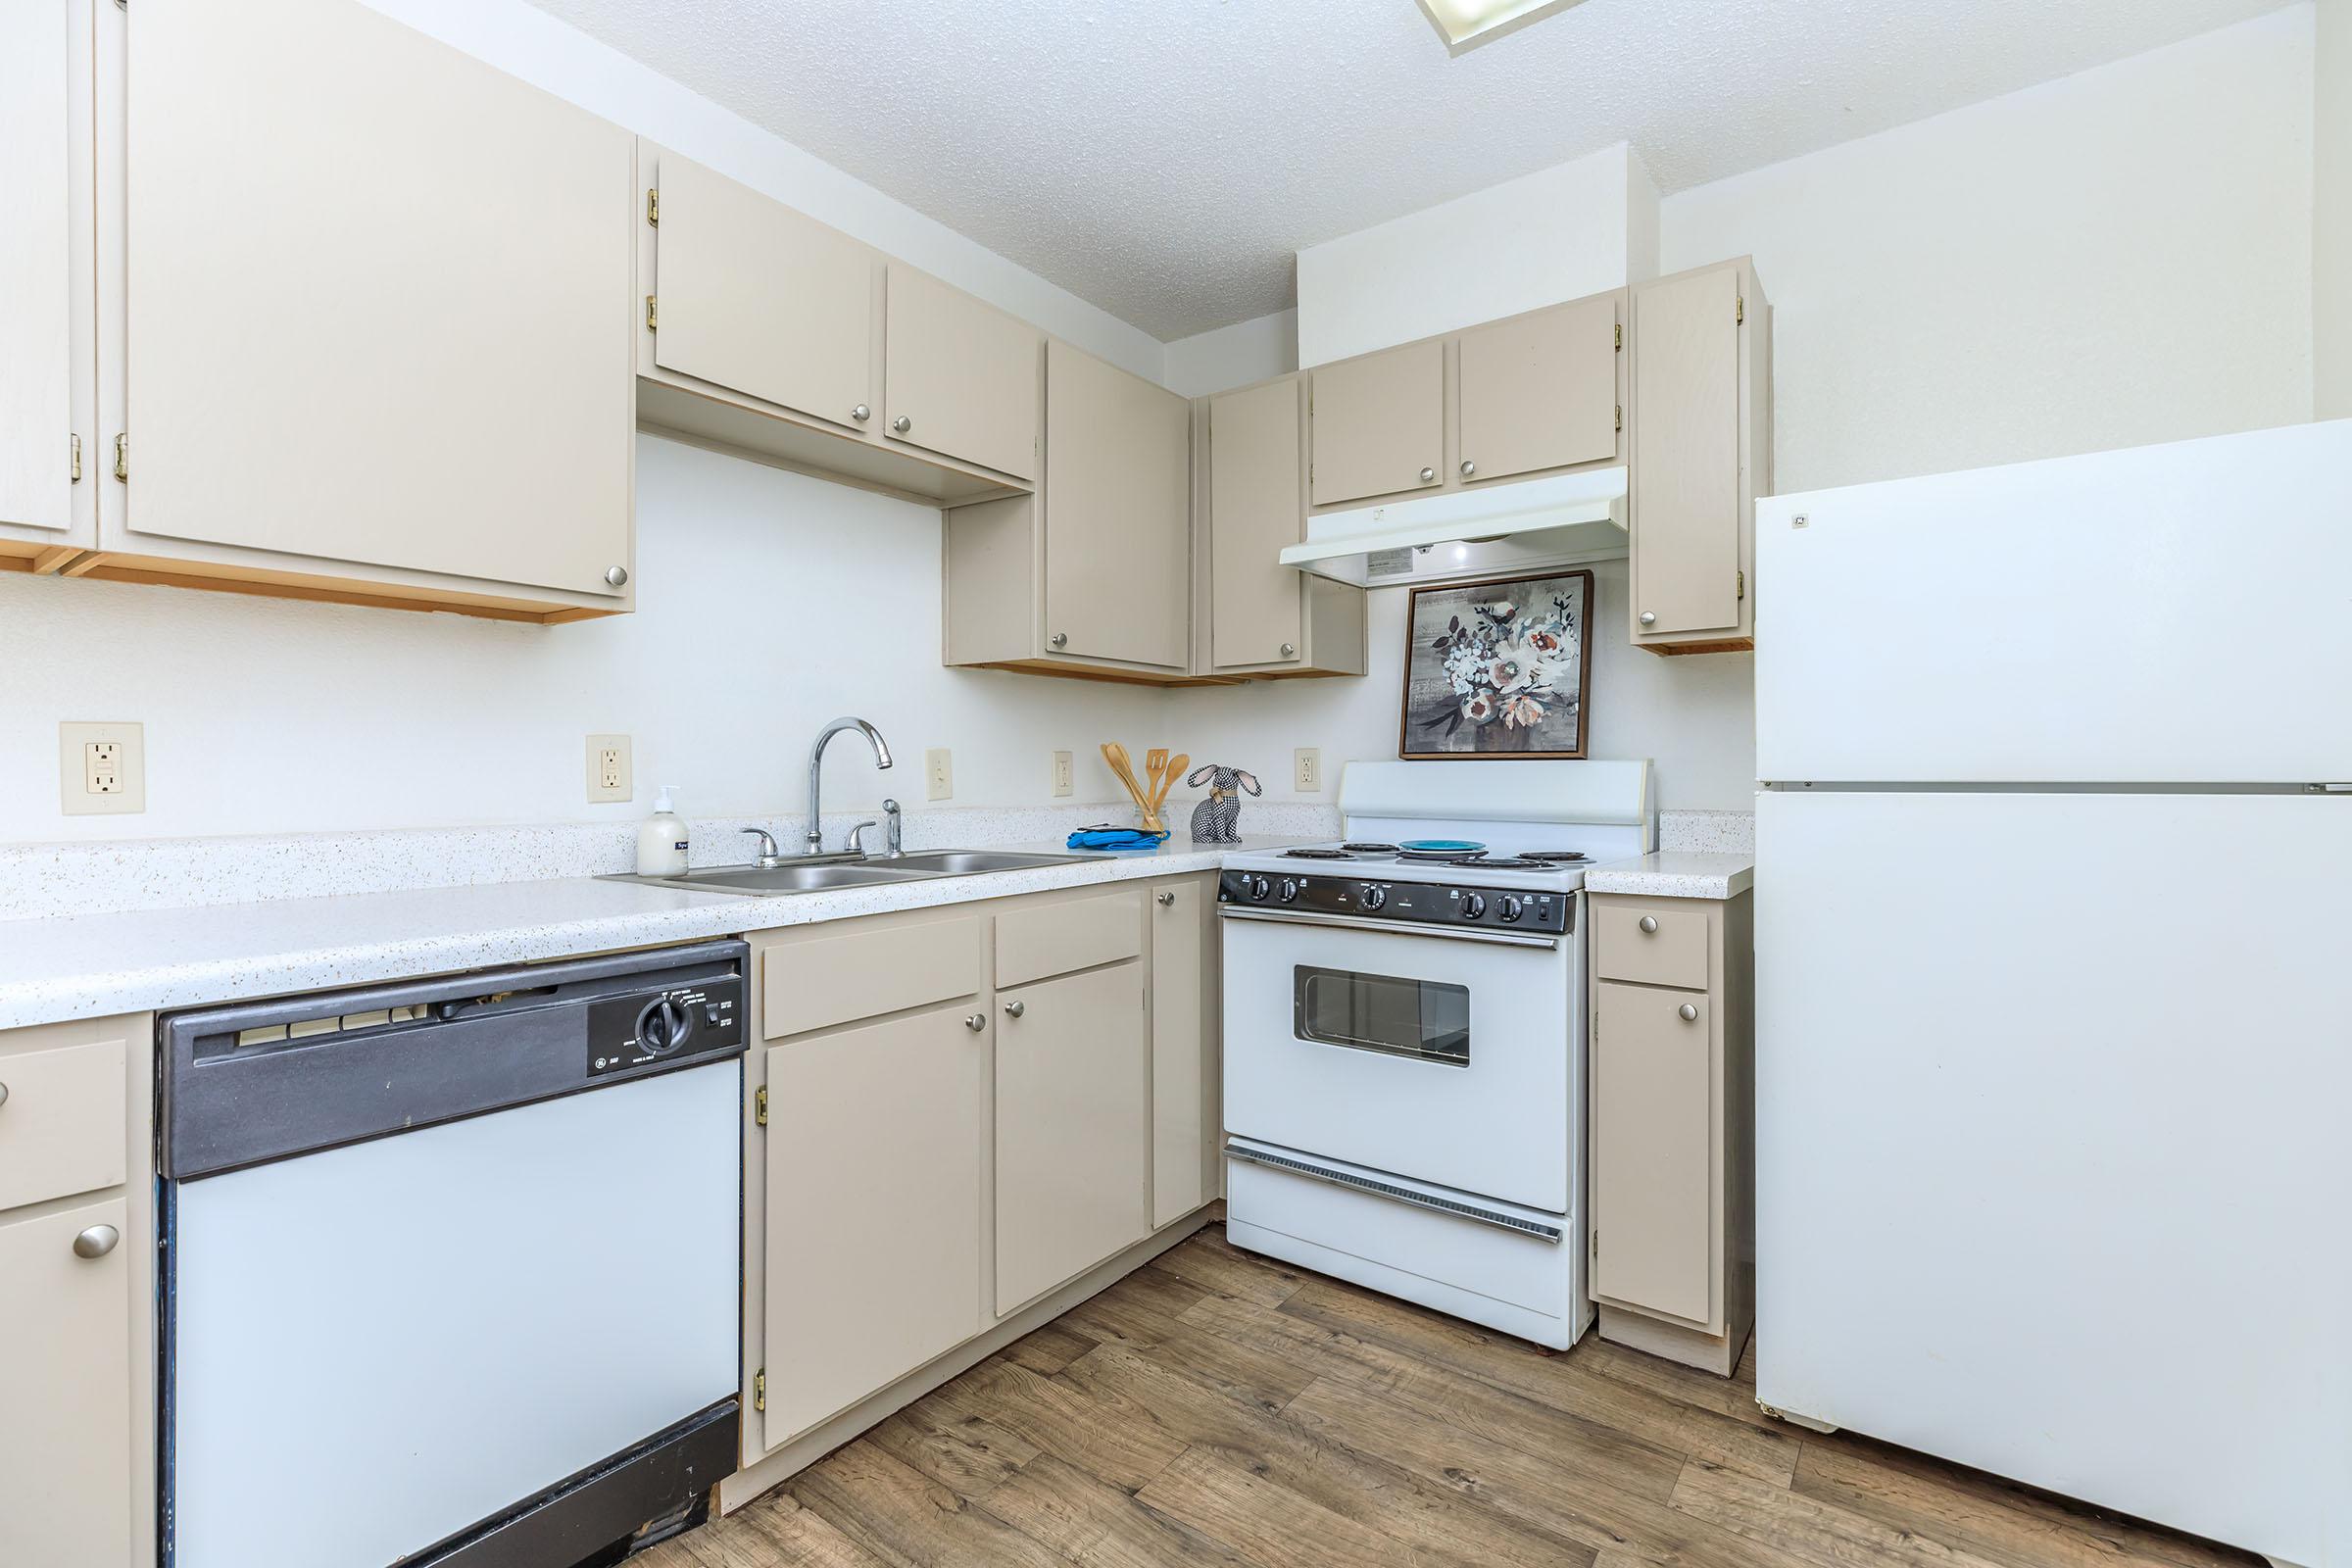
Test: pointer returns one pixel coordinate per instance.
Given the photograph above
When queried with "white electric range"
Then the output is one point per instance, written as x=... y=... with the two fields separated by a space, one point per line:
x=1404 y=1036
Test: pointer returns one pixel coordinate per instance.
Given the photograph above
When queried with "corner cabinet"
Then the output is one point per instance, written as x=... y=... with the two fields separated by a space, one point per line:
x=1701 y=454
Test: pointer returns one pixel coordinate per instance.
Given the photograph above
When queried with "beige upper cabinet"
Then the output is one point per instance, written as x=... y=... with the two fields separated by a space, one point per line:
x=1701 y=454
x=1118 y=515
x=1539 y=391
x=960 y=377
x=49 y=451
x=379 y=309
x=65 y=1442
x=755 y=297
x=1255 y=509
x=1380 y=423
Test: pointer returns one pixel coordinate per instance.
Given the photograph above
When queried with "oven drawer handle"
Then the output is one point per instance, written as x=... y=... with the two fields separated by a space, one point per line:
x=1402 y=928
x=1401 y=1195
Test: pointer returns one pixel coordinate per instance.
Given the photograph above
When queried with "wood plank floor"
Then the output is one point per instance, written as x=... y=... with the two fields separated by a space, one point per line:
x=1215 y=1408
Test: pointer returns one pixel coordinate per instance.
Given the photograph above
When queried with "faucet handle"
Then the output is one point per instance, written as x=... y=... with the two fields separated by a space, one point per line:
x=769 y=856
x=853 y=845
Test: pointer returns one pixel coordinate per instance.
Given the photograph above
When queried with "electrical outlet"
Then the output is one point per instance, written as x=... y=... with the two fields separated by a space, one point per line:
x=101 y=768
x=1063 y=783
x=939 y=773
x=609 y=769
x=1307 y=770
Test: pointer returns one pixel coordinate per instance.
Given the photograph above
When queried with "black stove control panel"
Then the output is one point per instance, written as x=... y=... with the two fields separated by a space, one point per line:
x=1372 y=898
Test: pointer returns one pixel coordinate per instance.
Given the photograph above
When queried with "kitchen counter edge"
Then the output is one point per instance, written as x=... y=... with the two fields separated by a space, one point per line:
x=1675 y=874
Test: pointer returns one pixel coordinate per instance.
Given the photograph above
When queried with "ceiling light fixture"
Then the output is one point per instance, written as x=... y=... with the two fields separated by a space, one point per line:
x=1464 y=25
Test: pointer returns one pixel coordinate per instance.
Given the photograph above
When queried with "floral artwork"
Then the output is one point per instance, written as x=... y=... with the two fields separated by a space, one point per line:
x=1498 y=668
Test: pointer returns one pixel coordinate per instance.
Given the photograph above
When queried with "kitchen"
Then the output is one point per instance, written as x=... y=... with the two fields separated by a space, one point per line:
x=2113 y=238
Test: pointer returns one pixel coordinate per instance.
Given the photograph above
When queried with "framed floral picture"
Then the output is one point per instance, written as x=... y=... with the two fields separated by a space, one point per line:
x=1498 y=668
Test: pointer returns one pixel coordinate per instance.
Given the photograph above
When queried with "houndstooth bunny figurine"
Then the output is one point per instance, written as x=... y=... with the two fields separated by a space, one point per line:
x=1219 y=820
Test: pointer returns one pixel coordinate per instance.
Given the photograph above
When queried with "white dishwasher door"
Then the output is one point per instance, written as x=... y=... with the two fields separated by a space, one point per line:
x=380 y=1345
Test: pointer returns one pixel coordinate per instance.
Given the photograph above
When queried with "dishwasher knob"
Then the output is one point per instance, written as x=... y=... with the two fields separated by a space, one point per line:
x=662 y=1027
x=1290 y=890
x=1260 y=887
x=1512 y=908
x=1375 y=895
x=1474 y=904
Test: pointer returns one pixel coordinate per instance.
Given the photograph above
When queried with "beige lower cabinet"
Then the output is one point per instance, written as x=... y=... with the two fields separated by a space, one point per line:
x=1672 y=1082
x=955 y=1115
x=77 y=1283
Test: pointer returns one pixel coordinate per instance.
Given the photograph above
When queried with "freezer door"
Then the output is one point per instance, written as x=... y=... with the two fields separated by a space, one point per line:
x=2167 y=615
x=2051 y=1153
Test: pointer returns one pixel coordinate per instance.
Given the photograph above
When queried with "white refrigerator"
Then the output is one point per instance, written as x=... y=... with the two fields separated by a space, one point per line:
x=2054 y=976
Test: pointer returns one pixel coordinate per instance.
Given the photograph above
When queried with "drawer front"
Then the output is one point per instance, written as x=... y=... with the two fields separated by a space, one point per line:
x=62 y=1126
x=856 y=973
x=1650 y=945
x=1059 y=938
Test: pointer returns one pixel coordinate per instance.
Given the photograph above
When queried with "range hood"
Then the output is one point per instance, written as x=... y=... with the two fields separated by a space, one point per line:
x=1460 y=534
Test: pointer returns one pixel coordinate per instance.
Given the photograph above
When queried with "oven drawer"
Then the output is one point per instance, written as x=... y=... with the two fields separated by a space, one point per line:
x=1650 y=942
x=62 y=1127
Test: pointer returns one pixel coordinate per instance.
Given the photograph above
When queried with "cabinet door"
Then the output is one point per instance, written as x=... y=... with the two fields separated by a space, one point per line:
x=379 y=300
x=1184 y=1050
x=960 y=377
x=1256 y=508
x=1540 y=391
x=45 y=274
x=758 y=298
x=1654 y=1138
x=1685 y=458
x=65 y=1483
x=1073 y=1128
x=1118 y=487
x=876 y=1143
x=1380 y=423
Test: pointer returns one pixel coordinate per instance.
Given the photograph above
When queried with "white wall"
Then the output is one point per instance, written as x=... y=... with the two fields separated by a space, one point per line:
x=1557 y=234
x=2115 y=258
x=789 y=601
x=1254 y=350
x=2332 y=216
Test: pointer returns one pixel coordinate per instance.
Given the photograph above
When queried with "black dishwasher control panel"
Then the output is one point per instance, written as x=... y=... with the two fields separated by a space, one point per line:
x=650 y=1028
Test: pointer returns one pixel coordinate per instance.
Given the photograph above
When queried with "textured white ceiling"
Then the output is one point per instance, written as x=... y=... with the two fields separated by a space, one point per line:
x=1164 y=157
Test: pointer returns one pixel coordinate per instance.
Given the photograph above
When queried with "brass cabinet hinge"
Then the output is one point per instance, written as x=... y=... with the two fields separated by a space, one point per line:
x=1740 y=316
x=1743 y=584
x=1596 y=1244
x=76 y=466
x=1621 y=417
x=760 y=1389
x=653 y=207
x=123 y=456
x=759 y=1107
x=1621 y=337
x=652 y=316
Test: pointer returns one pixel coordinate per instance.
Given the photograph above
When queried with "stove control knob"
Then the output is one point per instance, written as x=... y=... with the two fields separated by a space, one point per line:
x=1513 y=908
x=1260 y=887
x=1290 y=889
x=1474 y=906
x=1375 y=895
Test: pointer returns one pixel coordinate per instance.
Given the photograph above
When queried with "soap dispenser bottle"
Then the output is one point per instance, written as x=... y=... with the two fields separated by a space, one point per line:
x=661 y=840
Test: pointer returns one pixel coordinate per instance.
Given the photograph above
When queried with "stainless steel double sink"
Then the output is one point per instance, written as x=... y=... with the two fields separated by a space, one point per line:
x=827 y=872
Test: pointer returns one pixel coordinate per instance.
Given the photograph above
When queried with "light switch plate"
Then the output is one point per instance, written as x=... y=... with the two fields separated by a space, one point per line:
x=1307 y=770
x=939 y=773
x=1064 y=781
x=101 y=768
x=609 y=769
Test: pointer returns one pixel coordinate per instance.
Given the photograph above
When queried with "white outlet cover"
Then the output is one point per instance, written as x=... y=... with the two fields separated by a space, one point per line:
x=73 y=769
x=1307 y=769
x=1064 y=779
x=621 y=789
x=939 y=773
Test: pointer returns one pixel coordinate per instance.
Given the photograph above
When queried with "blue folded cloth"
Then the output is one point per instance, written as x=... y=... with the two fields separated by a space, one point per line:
x=1106 y=837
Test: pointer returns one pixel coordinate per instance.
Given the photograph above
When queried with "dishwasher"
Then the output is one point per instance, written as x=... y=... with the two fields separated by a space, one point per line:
x=451 y=1269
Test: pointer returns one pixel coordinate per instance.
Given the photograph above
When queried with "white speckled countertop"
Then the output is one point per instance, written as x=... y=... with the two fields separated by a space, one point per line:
x=140 y=960
x=1675 y=874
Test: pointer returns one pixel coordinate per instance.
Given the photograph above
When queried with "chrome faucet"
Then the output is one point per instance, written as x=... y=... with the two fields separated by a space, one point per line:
x=813 y=841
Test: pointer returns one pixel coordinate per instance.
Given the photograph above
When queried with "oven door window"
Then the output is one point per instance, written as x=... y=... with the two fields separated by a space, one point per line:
x=1387 y=1013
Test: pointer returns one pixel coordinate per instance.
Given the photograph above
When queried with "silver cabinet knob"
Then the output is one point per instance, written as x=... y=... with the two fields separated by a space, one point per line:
x=862 y=414
x=1689 y=1011
x=617 y=575
x=1649 y=617
x=902 y=424
x=1060 y=639
x=1290 y=650
x=1428 y=474
x=1650 y=925
x=1166 y=898
x=1468 y=468
x=975 y=1021
x=1013 y=1009
x=96 y=1242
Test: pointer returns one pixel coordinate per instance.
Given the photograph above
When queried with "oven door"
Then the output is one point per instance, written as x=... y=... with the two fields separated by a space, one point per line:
x=1450 y=1058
